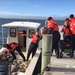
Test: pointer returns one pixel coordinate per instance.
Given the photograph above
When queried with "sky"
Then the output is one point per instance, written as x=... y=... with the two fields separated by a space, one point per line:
x=38 y=7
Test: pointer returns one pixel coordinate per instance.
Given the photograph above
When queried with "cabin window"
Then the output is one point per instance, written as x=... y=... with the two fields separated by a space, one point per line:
x=31 y=32
x=12 y=32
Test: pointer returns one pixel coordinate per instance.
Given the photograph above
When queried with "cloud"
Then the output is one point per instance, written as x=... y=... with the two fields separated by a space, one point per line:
x=28 y=16
x=19 y=16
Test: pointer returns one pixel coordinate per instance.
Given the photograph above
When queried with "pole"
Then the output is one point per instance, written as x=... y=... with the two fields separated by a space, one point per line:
x=46 y=51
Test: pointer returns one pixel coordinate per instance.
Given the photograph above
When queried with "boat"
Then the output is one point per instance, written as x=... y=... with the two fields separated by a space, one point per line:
x=15 y=34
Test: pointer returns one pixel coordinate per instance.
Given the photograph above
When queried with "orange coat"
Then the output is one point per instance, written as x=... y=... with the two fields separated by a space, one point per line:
x=35 y=39
x=13 y=46
x=72 y=25
x=66 y=31
x=52 y=24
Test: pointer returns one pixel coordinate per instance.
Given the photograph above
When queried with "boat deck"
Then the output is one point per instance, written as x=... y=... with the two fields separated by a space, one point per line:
x=61 y=66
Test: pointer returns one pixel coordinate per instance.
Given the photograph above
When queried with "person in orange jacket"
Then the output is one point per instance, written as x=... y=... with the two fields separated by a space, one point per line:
x=66 y=30
x=72 y=28
x=72 y=24
x=54 y=30
x=12 y=47
x=33 y=45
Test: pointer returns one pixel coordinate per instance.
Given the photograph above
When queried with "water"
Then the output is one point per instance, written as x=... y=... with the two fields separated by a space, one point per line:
x=3 y=21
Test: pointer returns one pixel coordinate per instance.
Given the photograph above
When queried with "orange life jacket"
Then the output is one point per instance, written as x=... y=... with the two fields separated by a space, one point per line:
x=13 y=46
x=72 y=25
x=52 y=24
x=66 y=31
x=35 y=39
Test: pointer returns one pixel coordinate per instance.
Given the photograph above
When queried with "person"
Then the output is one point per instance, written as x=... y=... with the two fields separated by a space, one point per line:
x=24 y=36
x=72 y=24
x=33 y=45
x=72 y=28
x=44 y=30
x=54 y=30
x=12 y=47
x=66 y=31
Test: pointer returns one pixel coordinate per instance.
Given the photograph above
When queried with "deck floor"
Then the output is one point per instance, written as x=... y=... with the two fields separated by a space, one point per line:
x=63 y=66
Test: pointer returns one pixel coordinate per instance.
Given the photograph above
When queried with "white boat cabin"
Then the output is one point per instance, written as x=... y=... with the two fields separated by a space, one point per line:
x=16 y=35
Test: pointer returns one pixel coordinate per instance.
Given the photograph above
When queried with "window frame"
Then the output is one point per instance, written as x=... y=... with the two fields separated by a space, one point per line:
x=12 y=32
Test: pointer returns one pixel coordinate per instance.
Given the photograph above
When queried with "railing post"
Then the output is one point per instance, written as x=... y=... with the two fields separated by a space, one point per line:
x=46 y=51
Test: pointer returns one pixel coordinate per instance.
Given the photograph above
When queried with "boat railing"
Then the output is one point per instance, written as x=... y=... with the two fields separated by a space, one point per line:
x=35 y=65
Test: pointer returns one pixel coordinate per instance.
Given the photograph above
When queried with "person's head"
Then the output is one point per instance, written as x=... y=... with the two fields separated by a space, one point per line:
x=49 y=18
x=71 y=15
x=37 y=33
x=66 y=22
x=67 y=19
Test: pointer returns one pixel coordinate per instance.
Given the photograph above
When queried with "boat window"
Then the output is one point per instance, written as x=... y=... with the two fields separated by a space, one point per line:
x=12 y=32
x=31 y=32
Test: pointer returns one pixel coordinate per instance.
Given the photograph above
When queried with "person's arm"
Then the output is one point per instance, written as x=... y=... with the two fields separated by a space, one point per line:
x=68 y=27
x=40 y=37
x=62 y=30
x=50 y=31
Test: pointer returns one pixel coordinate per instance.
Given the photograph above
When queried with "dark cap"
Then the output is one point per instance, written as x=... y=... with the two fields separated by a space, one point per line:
x=49 y=18
x=72 y=16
